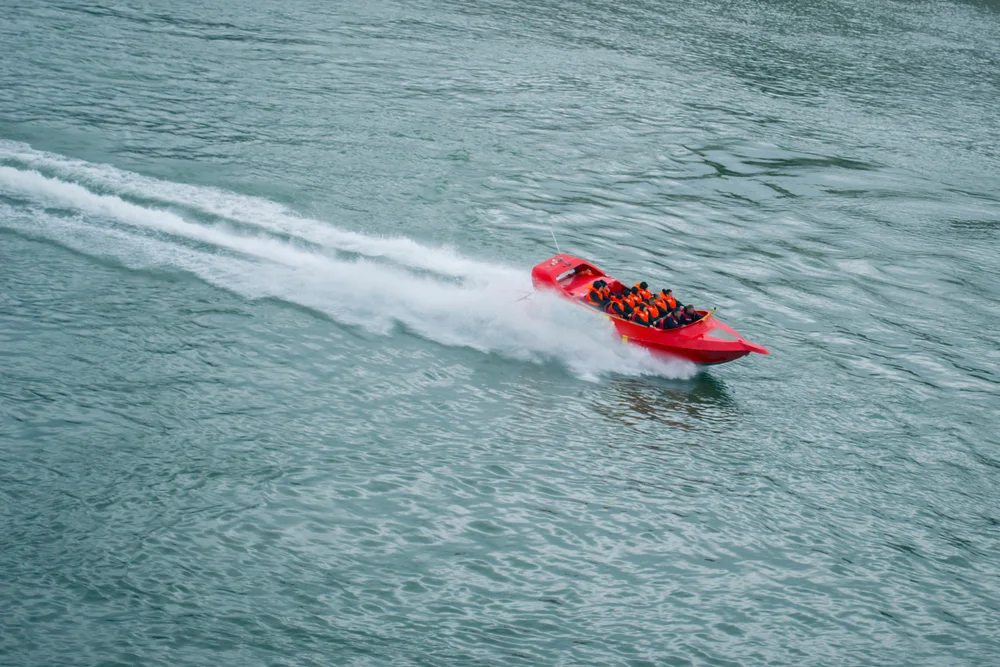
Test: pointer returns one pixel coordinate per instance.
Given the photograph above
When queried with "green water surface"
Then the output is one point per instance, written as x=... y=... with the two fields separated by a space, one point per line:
x=270 y=393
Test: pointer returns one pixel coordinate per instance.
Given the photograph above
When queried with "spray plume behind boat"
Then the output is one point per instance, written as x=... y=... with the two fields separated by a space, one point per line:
x=260 y=249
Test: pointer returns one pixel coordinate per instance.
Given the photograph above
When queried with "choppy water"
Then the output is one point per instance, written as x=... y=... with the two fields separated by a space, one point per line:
x=270 y=393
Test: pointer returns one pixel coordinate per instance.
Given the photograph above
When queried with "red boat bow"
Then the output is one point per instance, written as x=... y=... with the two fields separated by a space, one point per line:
x=707 y=341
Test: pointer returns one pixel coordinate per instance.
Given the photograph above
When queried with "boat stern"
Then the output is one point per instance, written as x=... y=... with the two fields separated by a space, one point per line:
x=563 y=273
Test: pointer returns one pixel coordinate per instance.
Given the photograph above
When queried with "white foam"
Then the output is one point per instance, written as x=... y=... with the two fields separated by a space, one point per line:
x=480 y=311
x=253 y=211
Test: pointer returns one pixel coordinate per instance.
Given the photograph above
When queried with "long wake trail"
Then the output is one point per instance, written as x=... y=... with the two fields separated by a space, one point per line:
x=258 y=248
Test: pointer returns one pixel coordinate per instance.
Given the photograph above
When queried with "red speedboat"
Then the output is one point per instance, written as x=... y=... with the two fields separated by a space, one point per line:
x=707 y=341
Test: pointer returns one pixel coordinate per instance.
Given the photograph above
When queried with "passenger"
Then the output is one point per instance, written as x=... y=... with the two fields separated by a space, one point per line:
x=629 y=298
x=604 y=293
x=692 y=313
x=660 y=304
x=643 y=291
x=665 y=305
x=681 y=317
x=641 y=316
x=668 y=297
x=654 y=312
x=610 y=302
x=668 y=321
x=594 y=294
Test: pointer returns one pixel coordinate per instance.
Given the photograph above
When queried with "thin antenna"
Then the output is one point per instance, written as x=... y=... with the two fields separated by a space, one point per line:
x=552 y=231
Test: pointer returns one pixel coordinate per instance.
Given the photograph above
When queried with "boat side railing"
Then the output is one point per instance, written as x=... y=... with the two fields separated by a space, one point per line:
x=705 y=317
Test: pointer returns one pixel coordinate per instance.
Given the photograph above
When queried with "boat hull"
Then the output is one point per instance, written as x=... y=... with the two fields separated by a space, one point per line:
x=706 y=342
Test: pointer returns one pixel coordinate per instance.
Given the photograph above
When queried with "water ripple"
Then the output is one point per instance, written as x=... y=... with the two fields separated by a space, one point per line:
x=224 y=440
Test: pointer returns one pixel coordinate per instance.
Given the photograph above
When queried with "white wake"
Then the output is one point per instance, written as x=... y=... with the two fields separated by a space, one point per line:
x=257 y=248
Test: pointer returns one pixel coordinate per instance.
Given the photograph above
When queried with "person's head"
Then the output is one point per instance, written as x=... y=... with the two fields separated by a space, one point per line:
x=643 y=285
x=690 y=309
x=677 y=311
x=666 y=292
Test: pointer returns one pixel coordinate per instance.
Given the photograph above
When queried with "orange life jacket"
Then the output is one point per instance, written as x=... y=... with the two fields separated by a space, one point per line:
x=630 y=300
x=640 y=317
x=644 y=293
x=671 y=301
x=594 y=295
x=653 y=311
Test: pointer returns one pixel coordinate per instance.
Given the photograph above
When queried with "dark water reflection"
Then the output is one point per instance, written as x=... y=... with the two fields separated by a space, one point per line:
x=702 y=402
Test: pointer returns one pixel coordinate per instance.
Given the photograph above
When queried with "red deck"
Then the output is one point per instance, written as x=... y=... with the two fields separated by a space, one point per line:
x=707 y=341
